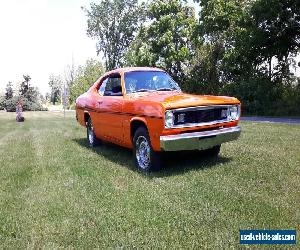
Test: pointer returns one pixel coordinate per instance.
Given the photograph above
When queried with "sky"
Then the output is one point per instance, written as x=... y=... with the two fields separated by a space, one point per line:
x=43 y=37
x=40 y=37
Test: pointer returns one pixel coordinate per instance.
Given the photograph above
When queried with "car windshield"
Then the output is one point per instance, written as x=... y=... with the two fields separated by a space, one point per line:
x=145 y=81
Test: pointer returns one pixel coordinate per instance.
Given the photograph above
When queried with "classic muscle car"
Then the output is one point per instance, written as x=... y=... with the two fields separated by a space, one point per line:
x=145 y=109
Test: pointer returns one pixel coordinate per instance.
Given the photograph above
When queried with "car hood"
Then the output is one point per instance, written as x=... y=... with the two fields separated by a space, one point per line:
x=175 y=99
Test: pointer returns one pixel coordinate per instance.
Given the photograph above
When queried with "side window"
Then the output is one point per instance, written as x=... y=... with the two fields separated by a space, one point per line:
x=102 y=87
x=111 y=86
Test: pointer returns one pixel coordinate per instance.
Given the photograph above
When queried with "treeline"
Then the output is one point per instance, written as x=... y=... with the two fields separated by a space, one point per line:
x=23 y=93
x=241 y=48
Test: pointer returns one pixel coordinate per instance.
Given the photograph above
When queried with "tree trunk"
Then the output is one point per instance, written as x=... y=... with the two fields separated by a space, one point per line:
x=270 y=68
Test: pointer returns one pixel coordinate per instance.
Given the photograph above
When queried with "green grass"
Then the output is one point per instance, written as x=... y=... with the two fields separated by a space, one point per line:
x=55 y=191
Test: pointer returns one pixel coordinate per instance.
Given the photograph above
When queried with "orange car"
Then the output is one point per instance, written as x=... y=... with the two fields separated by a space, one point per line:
x=144 y=109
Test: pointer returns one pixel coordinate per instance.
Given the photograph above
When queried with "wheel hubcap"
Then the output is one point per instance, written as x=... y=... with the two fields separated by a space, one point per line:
x=90 y=134
x=143 y=152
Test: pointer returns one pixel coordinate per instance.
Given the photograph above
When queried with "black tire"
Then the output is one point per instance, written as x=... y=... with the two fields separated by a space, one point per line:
x=213 y=152
x=145 y=158
x=90 y=134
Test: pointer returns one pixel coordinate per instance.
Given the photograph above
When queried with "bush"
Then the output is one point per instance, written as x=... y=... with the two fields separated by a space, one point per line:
x=31 y=106
x=28 y=105
x=2 y=102
x=10 y=104
x=260 y=96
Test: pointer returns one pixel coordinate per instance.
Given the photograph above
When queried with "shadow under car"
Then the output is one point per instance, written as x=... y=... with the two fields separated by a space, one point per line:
x=173 y=163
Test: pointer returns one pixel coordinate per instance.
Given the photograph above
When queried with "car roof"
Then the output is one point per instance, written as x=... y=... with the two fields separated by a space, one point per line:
x=128 y=69
x=123 y=70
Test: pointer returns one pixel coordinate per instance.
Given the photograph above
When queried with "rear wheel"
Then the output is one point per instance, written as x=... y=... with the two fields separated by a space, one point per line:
x=91 y=137
x=146 y=159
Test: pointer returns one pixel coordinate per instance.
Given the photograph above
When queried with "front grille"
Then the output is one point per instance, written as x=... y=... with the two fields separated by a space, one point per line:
x=200 y=115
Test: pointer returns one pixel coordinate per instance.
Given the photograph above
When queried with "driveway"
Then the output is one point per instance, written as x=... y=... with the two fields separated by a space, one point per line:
x=271 y=119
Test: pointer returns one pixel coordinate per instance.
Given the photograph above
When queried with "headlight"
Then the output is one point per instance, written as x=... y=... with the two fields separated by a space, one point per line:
x=169 y=119
x=234 y=112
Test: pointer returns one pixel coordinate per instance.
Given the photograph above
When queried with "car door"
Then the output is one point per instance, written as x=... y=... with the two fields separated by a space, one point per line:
x=109 y=109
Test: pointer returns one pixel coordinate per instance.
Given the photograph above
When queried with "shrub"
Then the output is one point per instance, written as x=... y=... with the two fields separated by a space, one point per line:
x=10 y=104
x=28 y=105
x=260 y=96
x=2 y=102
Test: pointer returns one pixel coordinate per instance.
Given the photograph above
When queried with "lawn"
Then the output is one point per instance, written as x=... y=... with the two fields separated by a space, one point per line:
x=55 y=191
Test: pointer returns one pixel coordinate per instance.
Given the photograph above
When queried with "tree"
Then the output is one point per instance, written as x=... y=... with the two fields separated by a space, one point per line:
x=253 y=34
x=29 y=97
x=2 y=102
x=86 y=75
x=205 y=74
x=114 y=23
x=9 y=91
x=219 y=24
x=25 y=85
x=55 y=84
x=168 y=40
x=276 y=33
x=32 y=94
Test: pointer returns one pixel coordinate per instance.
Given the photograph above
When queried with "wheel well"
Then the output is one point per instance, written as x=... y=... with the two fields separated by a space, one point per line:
x=134 y=126
x=86 y=117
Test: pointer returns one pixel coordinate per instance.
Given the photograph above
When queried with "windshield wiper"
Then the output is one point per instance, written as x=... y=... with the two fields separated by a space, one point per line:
x=164 y=89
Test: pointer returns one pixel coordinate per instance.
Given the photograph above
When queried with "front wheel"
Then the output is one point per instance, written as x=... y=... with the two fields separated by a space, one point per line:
x=91 y=137
x=146 y=159
x=213 y=152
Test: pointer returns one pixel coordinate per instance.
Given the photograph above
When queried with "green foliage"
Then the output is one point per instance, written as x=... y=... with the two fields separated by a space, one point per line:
x=243 y=48
x=242 y=41
x=9 y=91
x=113 y=24
x=220 y=18
x=139 y=53
x=28 y=105
x=222 y=26
x=276 y=27
x=167 y=42
x=28 y=96
x=206 y=70
x=25 y=85
x=264 y=36
x=85 y=76
x=2 y=102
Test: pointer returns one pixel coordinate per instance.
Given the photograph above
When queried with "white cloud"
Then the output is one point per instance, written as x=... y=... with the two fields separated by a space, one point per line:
x=40 y=37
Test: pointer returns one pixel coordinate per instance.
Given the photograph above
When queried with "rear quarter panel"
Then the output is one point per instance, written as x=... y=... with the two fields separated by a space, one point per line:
x=84 y=104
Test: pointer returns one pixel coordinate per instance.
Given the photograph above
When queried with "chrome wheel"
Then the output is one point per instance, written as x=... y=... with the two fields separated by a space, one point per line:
x=91 y=135
x=143 y=152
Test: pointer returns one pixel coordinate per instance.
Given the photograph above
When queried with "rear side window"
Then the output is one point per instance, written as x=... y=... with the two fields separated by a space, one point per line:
x=111 y=86
x=102 y=87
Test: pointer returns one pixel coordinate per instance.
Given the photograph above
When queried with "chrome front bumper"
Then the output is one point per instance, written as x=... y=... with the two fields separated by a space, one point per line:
x=199 y=140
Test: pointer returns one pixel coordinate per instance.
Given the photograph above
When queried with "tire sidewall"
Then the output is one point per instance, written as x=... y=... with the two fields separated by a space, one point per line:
x=154 y=156
x=89 y=127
